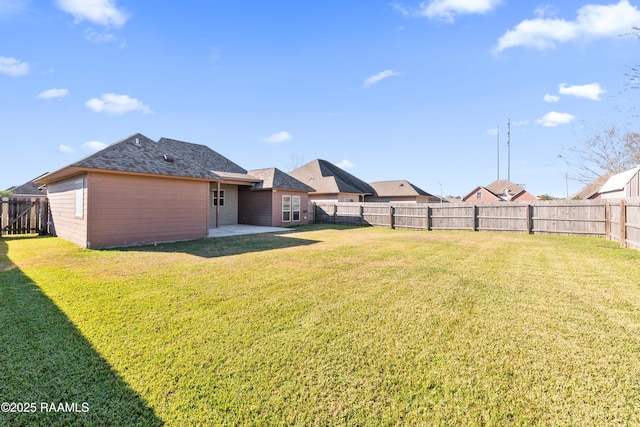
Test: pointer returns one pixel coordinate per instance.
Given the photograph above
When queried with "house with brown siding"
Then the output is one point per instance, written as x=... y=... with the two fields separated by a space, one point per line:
x=501 y=190
x=278 y=200
x=400 y=191
x=139 y=191
x=332 y=183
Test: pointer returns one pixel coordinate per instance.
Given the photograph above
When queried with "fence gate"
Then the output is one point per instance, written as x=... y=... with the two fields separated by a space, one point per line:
x=24 y=215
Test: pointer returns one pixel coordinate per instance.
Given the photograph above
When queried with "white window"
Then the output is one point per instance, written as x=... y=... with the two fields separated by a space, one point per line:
x=479 y=195
x=286 y=208
x=79 y=195
x=296 y=208
x=214 y=198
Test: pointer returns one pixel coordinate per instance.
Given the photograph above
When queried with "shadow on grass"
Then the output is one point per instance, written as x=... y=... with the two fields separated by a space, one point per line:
x=229 y=245
x=50 y=375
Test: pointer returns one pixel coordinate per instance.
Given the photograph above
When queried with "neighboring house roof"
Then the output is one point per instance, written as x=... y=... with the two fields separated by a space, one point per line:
x=618 y=181
x=274 y=178
x=476 y=190
x=502 y=189
x=326 y=177
x=504 y=186
x=28 y=188
x=170 y=157
x=399 y=187
x=592 y=189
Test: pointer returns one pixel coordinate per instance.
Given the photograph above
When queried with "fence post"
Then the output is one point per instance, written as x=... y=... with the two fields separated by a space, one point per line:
x=529 y=216
x=335 y=213
x=476 y=220
x=623 y=224
x=429 y=213
x=607 y=220
x=44 y=219
x=362 y=214
x=4 y=213
x=392 y=212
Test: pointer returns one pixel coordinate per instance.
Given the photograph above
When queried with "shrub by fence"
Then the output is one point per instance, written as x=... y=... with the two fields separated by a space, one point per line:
x=617 y=220
x=24 y=215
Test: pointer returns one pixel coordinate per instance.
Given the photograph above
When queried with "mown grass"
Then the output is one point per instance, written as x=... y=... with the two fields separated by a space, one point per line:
x=338 y=326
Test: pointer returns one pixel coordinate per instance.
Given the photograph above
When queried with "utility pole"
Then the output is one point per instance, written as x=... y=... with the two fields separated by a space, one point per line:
x=509 y=149
x=498 y=149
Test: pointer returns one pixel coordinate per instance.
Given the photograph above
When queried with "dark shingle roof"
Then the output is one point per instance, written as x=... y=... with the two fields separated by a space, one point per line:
x=326 y=177
x=275 y=178
x=138 y=153
x=170 y=157
x=28 y=189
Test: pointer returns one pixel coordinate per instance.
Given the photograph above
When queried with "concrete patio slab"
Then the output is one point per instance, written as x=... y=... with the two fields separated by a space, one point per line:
x=240 y=229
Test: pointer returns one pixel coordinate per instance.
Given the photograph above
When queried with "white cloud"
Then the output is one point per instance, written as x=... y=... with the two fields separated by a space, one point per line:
x=93 y=145
x=503 y=129
x=112 y=103
x=378 y=77
x=53 y=93
x=591 y=91
x=592 y=21
x=546 y=11
x=345 y=164
x=96 y=37
x=101 y=12
x=279 y=137
x=551 y=98
x=65 y=149
x=13 y=67
x=405 y=11
x=553 y=119
x=447 y=9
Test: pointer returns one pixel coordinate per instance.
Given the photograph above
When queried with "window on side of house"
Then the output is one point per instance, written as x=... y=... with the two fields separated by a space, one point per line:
x=79 y=197
x=214 y=199
x=296 y=208
x=479 y=195
x=286 y=208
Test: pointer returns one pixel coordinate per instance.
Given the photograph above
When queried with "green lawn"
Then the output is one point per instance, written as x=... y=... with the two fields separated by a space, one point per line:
x=324 y=326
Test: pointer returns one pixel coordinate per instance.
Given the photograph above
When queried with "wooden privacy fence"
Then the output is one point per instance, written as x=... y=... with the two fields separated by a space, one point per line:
x=625 y=222
x=24 y=215
x=617 y=220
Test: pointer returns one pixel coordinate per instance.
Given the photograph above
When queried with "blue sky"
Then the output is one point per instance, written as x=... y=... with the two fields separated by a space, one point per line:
x=387 y=90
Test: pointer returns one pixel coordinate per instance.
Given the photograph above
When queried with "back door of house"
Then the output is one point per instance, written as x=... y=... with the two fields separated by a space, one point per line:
x=228 y=200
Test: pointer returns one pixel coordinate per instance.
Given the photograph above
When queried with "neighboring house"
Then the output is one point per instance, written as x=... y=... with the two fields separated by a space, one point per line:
x=28 y=189
x=139 y=191
x=501 y=190
x=400 y=191
x=591 y=191
x=277 y=200
x=332 y=183
x=624 y=184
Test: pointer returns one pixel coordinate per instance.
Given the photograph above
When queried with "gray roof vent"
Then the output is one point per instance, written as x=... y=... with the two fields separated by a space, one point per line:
x=167 y=158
